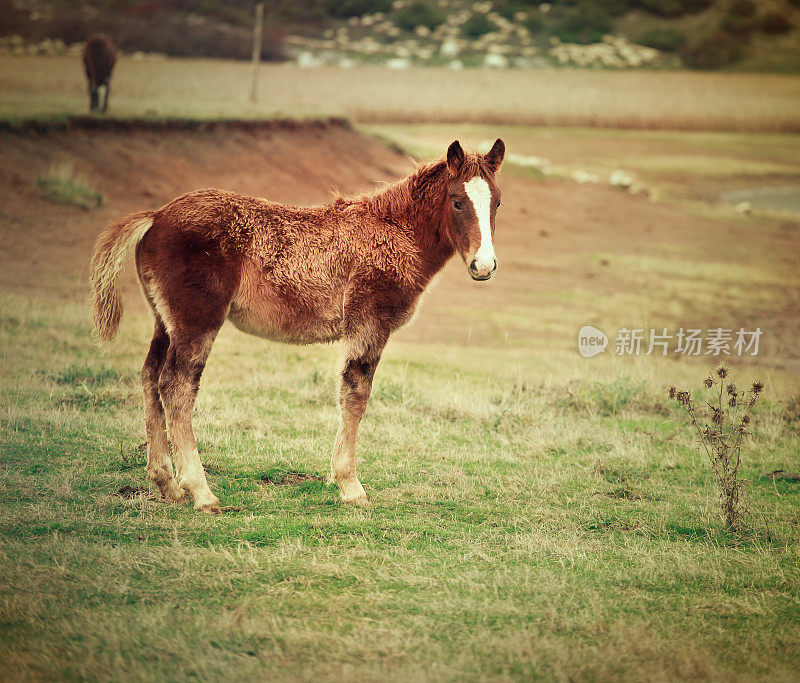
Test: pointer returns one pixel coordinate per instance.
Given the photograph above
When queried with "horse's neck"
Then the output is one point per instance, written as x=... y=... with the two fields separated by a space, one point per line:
x=415 y=205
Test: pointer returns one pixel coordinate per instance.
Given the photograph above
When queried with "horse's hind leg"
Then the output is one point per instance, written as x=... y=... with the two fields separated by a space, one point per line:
x=190 y=282
x=105 y=98
x=93 y=98
x=178 y=385
x=159 y=465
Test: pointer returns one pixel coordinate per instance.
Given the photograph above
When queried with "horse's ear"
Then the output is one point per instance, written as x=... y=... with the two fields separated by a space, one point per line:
x=494 y=157
x=455 y=157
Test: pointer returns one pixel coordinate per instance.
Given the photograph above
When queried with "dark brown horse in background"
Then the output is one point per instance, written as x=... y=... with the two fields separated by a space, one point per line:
x=99 y=57
x=353 y=271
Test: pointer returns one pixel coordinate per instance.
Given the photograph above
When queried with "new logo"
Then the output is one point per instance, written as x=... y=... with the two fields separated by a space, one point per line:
x=591 y=341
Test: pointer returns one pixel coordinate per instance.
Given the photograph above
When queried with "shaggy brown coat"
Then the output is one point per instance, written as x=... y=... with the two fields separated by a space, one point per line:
x=353 y=270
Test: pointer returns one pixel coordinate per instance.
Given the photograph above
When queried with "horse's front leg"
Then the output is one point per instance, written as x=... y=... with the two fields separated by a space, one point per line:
x=354 y=390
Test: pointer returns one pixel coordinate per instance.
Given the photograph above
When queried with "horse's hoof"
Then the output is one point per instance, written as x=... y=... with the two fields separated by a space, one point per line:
x=358 y=501
x=172 y=493
x=176 y=497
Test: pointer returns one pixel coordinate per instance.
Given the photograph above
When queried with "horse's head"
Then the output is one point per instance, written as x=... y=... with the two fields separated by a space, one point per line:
x=473 y=202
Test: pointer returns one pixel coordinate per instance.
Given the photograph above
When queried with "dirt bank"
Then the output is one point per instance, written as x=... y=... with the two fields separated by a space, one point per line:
x=141 y=165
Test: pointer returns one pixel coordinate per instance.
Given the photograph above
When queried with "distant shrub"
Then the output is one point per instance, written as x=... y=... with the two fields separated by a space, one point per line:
x=775 y=22
x=507 y=8
x=738 y=25
x=742 y=8
x=534 y=23
x=666 y=40
x=357 y=8
x=717 y=50
x=616 y=8
x=61 y=185
x=418 y=14
x=741 y=18
x=585 y=23
x=476 y=26
x=674 y=8
x=13 y=19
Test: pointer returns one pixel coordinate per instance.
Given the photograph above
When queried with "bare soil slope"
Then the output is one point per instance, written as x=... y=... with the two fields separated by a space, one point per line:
x=140 y=166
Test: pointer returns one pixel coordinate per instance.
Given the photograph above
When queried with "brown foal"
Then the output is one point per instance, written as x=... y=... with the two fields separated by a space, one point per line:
x=353 y=270
x=99 y=57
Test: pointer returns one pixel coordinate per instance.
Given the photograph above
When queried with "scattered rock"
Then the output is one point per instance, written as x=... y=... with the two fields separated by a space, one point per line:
x=398 y=63
x=539 y=163
x=449 y=49
x=495 y=61
x=614 y=52
x=307 y=60
x=584 y=177
x=620 y=178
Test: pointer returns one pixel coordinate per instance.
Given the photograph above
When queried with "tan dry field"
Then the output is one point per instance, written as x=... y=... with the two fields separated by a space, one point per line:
x=199 y=88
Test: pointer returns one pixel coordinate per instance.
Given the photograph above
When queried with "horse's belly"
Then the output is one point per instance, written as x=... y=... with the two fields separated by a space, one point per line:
x=283 y=320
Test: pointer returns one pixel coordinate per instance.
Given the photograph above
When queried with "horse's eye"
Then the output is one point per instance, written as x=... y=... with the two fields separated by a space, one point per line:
x=498 y=204
x=457 y=205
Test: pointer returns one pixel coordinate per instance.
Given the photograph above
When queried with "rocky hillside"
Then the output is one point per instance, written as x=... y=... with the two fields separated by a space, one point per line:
x=703 y=34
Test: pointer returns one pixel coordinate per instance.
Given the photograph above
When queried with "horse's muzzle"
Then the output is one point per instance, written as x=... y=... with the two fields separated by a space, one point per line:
x=482 y=271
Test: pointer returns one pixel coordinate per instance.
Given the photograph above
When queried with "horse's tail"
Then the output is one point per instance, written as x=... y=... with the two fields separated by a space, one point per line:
x=112 y=249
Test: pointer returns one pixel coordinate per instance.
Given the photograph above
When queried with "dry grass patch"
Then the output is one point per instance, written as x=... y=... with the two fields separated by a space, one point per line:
x=35 y=86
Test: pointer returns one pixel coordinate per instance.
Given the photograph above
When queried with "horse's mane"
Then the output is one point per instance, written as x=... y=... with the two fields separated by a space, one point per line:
x=414 y=196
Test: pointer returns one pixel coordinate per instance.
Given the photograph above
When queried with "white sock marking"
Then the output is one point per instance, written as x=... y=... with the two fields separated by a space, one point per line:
x=480 y=195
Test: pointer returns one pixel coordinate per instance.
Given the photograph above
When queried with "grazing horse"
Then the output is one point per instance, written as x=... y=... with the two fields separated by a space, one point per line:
x=99 y=57
x=353 y=270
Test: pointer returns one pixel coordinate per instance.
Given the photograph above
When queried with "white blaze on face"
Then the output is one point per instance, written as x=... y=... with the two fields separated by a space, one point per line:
x=480 y=195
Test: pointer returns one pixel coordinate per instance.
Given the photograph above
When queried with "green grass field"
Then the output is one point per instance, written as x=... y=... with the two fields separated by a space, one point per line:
x=534 y=515
x=518 y=530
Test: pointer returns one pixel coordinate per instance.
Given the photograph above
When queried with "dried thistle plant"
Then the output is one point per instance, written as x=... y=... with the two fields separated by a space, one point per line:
x=722 y=423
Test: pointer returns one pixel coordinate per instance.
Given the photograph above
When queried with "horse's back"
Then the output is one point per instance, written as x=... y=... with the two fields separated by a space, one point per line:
x=99 y=57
